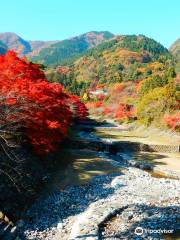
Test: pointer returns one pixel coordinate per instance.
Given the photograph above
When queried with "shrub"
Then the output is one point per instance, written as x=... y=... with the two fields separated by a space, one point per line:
x=45 y=107
x=173 y=121
x=124 y=112
x=151 y=83
x=107 y=111
x=155 y=103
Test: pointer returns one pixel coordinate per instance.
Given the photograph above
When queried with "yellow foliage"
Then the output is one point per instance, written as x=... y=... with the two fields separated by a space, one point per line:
x=85 y=97
x=141 y=69
x=155 y=66
x=155 y=103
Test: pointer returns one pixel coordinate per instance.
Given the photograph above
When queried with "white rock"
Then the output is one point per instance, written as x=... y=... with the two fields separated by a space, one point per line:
x=117 y=183
x=59 y=226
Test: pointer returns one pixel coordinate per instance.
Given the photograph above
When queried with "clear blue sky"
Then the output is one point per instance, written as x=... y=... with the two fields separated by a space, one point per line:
x=60 y=19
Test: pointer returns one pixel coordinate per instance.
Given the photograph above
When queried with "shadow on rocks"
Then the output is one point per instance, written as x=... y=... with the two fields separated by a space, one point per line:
x=47 y=213
x=143 y=222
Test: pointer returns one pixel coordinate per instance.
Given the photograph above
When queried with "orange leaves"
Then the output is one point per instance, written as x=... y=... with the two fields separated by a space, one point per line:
x=94 y=104
x=123 y=112
x=107 y=111
x=173 y=121
x=128 y=56
x=63 y=70
x=100 y=87
x=121 y=91
x=118 y=87
x=53 y=124
x=155 y=66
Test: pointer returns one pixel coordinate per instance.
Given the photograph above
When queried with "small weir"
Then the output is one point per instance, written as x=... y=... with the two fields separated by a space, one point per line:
x=136 y=154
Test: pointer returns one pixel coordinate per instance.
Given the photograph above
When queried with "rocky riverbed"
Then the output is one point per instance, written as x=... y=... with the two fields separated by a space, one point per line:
x=80 y=212
x=129 y=204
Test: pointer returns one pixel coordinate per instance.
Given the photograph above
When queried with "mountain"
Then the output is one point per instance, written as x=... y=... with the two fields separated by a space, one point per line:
x=66 y=51
x=36 y=46
x=175 y=50
x=123 y=58
x=16 y=43
x=52 y=52
x=129 y=78
x=9 y=40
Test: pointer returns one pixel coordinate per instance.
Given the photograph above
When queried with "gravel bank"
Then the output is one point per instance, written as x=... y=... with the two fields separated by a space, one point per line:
x=109 y=206
x=79 y=212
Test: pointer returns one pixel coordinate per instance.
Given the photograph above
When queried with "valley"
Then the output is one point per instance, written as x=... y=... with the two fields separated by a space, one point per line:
x=89 y=138
x=99 y=185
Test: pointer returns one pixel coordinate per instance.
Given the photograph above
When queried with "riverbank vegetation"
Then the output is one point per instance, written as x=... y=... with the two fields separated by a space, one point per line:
x=29 y=102
x=35 y=118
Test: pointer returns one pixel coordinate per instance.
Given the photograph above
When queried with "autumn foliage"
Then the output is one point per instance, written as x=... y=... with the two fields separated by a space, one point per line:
x=94 y=105
x=107 y=111
x=47 y=110
x=173 y=121
x=123 y=112
x=78 y=108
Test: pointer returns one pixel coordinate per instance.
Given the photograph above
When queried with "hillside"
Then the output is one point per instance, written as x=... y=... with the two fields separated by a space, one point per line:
x=16 y=43
x=36 y=46
x=127 y=78
x=52 y=52
x=3 y=48
x=66 y=51
x=121 y=59
x=175 y=50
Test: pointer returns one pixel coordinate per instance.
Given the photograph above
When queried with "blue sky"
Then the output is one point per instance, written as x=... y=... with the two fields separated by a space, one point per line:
x=60 y=19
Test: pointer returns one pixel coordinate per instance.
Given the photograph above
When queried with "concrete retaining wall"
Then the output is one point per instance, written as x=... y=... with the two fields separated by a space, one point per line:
x=123 y=146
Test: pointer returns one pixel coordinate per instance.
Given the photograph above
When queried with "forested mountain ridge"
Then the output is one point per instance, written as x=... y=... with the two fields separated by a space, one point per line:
x=14 y=42
x=123 y=58
x=36 y=46
x=52 y=52
x=66 y=51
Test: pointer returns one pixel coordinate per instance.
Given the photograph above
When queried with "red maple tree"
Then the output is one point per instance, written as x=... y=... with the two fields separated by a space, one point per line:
x=46 y=109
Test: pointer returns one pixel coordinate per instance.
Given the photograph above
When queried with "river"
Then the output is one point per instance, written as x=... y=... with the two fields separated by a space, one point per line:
x=97 y=180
